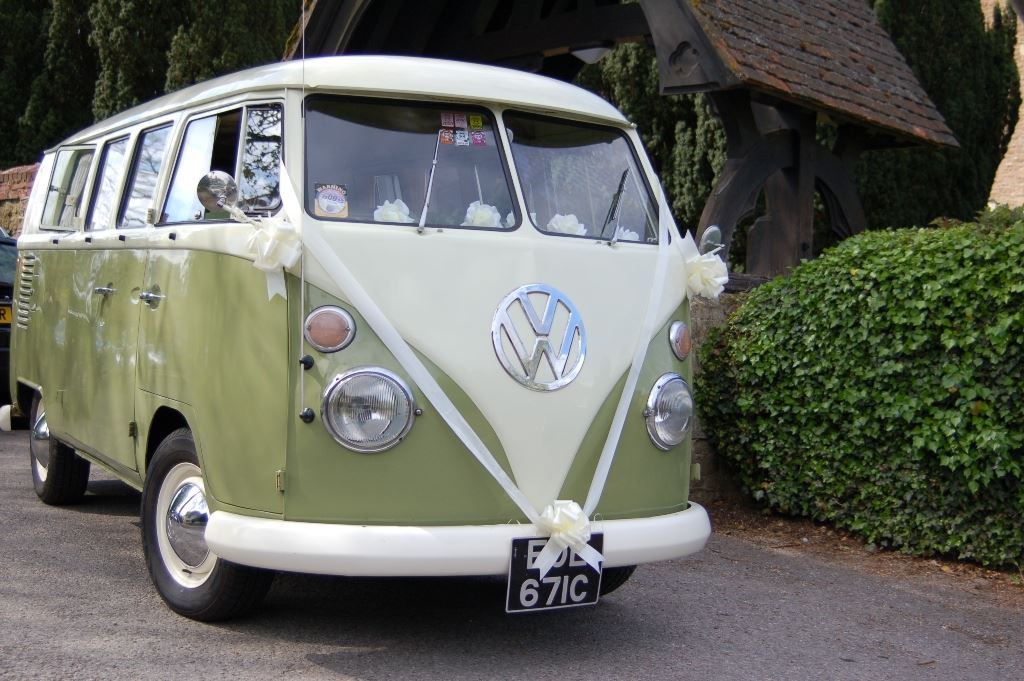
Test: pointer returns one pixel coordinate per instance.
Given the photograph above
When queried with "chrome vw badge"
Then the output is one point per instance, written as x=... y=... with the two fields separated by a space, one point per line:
x=523 y=338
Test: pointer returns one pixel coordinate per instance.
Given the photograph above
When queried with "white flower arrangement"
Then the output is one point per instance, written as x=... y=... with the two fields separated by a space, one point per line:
x=706 y=275
x=566 y=224
x=624 y=234
x=392 y=211
x=480 y=214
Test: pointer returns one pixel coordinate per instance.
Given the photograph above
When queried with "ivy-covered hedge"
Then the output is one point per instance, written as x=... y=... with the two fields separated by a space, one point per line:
x=881 y=387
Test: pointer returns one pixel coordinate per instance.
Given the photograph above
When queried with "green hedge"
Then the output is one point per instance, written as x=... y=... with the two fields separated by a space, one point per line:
x=881 y=387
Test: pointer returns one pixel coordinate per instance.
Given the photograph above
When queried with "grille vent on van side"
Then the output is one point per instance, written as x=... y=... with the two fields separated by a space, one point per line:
x=25 y=289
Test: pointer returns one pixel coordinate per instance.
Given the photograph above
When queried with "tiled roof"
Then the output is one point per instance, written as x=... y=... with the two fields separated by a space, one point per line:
x=825 y=54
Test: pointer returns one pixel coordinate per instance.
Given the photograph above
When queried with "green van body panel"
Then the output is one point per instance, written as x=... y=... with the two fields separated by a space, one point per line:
x=46 y=328
x=427 y=479
x=101 y=350
x=643 y=481
x=217 y=344
x=430 y=478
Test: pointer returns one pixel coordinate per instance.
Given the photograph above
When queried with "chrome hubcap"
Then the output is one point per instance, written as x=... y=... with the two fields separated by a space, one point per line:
x=186 y=524
x=181 y=518
x=39 y=444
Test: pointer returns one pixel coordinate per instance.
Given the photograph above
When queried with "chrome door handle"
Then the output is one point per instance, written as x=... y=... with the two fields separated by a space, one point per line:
x=151 y=298
x=104 y=290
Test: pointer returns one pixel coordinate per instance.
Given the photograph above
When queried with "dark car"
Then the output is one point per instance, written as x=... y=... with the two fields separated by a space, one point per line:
x=8 y=257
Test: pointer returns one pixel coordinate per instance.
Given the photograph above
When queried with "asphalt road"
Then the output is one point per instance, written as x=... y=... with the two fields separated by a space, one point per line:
x=76 y=602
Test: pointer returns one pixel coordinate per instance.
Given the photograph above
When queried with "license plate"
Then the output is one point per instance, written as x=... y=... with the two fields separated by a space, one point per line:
x=569 y=584
x=5 y=314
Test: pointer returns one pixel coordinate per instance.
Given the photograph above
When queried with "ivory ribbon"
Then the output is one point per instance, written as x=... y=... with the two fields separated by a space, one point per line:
x=565 y=522
x=707 y=274
x=275 y=245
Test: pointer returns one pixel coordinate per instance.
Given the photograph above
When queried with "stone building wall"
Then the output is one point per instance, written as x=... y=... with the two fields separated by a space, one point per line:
x=716 y=481
x=15 y=185
x=1008 y=186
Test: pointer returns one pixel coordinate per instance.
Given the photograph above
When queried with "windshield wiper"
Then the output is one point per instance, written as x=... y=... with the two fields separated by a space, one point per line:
x=614 y=207
x=430 y=184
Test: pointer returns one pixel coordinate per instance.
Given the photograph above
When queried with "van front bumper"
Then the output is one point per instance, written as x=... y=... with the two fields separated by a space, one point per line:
x=406 y=551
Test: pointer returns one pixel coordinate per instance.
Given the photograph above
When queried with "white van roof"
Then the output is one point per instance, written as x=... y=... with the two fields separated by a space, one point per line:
x=381 y=76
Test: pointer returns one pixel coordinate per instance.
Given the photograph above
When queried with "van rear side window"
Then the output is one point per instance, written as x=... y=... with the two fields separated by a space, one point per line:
x=105 y=191
x=149 y=158
x=64 y=196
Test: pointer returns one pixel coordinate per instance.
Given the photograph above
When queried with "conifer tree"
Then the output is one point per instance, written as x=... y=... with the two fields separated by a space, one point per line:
x=969 y=72
x=59 y=101
x=228 y=36
x=21 y=58
x=131 y=38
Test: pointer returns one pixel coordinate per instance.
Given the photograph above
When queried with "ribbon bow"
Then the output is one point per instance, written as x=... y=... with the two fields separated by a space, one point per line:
x=569 y=528
x=275 y=245
x=706 y=275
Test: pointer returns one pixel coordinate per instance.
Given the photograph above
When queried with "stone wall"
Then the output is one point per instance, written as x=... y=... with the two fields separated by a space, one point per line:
x=15 y=185
x=716 y=482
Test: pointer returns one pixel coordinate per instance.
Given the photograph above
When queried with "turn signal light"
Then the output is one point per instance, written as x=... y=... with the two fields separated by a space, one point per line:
x=679 y=339
x=329 y=328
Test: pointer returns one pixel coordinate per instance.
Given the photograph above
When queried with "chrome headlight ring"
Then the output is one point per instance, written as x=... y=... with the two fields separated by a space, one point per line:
x=368 y=409
x=669 y=411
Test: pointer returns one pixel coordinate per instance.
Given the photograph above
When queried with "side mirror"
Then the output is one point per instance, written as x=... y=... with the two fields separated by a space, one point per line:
x=710 y=240
x=217 y=191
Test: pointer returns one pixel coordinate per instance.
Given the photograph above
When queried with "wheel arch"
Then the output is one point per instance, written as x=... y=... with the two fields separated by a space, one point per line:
x=24 y=397
x=165 y=421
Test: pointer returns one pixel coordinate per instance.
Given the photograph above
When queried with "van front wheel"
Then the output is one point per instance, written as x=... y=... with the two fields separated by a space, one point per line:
x=191 y=580
x=615 y=577
x=59 y=476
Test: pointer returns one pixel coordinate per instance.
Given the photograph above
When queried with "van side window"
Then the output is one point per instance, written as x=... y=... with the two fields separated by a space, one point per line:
x=64 y=196
x=211 y=143
x=149 y=158
x=107 y=183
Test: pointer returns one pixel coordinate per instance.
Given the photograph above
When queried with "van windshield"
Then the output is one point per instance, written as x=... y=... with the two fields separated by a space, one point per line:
x=581 y=180
x=376 y=161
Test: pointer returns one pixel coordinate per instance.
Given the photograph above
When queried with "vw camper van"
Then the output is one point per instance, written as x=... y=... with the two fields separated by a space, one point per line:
x=365 y=316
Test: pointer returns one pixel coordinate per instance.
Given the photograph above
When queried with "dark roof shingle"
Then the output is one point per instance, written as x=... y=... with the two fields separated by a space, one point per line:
x=825 y=54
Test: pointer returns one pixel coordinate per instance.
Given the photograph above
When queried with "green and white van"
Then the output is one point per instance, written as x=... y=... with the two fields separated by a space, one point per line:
x=365 y=316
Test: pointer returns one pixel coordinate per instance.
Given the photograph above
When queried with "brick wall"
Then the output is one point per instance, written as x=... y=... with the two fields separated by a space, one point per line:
x=1008 y=186
x=15 y=185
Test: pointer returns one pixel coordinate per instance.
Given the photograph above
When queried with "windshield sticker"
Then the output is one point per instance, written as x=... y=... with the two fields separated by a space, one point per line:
x=460 y=120
x=462 y=138
x=447 y=136
x=478 y=138
x=331 y=201
x=447 y=120
x=476 y=122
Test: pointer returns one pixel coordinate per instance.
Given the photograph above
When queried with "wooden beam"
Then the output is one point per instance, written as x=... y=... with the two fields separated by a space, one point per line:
x=557 y=34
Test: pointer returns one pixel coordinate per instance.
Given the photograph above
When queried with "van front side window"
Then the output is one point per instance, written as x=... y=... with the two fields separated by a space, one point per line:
x=581 y=180
x=373 y=161
x=64 y=197
x=148 y=160
x=211 y=143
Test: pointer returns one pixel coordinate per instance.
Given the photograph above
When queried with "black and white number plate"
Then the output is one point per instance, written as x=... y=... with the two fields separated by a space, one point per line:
x=569 y=584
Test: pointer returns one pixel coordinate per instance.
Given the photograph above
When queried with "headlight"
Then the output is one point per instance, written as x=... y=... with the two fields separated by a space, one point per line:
x=669 y=410
x=367 y=409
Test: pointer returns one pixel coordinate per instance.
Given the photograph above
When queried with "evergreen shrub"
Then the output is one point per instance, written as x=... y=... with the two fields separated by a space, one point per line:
x=881 y=387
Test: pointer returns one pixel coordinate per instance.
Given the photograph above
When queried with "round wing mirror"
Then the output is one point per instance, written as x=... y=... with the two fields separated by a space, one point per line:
x=710 y=240
x=217 y=191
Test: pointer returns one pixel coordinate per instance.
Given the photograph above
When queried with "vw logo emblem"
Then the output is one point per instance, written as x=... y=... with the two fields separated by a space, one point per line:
x=523 y=339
